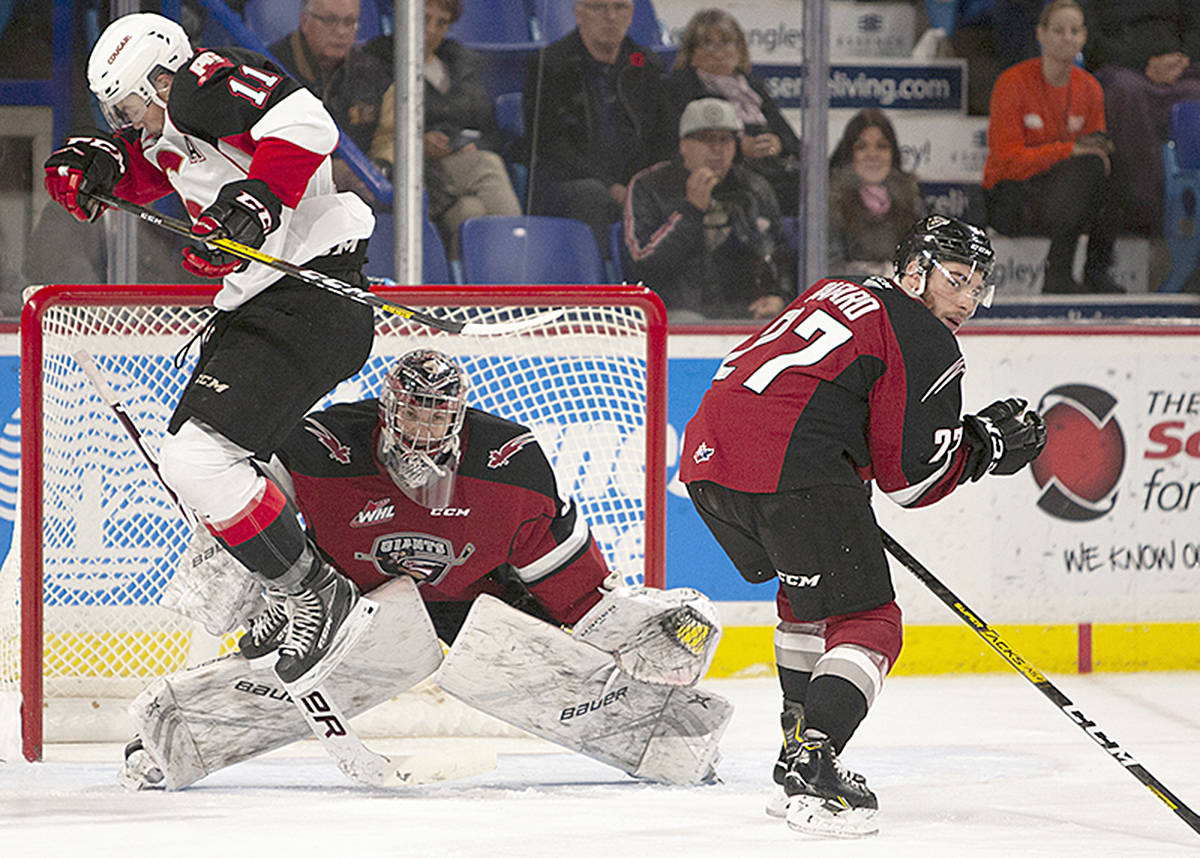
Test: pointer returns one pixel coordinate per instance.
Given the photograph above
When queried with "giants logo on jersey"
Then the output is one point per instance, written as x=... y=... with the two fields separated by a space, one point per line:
x=422 y=556
x=500 y=457
x=375 y=512
x=338 y=451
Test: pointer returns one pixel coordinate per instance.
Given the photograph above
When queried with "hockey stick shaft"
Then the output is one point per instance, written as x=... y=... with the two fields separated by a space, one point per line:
x=1044 y=685
x=321 y=713
x=104 y=389
x=321 y=280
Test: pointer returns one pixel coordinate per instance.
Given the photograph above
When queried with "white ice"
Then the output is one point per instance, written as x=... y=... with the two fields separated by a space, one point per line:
x=963 y=766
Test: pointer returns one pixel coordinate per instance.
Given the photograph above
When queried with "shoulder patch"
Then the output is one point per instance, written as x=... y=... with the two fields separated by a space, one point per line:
x=206 y=64
x=501 y=456
x=338 y=451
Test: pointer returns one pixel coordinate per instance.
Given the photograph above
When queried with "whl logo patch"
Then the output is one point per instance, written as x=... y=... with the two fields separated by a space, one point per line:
x=375 y=512
x=1081 y=466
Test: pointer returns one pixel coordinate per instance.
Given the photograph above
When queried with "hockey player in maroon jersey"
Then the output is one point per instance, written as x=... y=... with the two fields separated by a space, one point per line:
x=247 y=151
x=415 y=485
x=855 y=381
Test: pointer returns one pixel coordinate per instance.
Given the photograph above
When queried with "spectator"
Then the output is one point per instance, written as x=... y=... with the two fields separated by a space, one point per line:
x=464 y=176
x=596 y=112
x=703 y=231
x=349 y=81
x=714 y=59
x=1048 y=155
x=1144 y=55
x=872 y=202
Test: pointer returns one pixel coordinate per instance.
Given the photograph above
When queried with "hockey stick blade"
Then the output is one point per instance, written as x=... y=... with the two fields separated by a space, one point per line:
x=1044 y=685
x=325 y=281
x=370 y=768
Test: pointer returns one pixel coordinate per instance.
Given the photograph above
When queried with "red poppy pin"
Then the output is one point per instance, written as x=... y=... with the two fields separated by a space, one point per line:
x=637 y=58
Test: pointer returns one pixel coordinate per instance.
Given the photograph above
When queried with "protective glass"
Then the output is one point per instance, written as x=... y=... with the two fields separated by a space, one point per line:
x=982 y=291
x=124 y=112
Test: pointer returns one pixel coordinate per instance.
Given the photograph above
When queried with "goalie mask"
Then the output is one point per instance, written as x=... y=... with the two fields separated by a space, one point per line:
x=936 y=239
x=131 y=52
x=421 y=412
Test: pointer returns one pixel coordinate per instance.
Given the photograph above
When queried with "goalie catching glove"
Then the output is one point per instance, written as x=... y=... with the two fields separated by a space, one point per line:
x=91 y=161
x=999 y=441
x=246 y=212
x=665 y=637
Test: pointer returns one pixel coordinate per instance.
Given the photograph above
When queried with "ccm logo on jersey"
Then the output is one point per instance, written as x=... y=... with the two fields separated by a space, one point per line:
x=450 y=512
x=799 y=580
x=500 y=457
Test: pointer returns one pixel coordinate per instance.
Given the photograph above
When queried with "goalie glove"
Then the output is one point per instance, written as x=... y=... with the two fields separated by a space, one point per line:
x=999 y=441
x=665 y=637
x=245 y=211
x=211 y=587
x=86 y=162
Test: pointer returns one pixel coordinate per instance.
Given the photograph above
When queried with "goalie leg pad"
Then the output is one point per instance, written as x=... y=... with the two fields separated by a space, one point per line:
x=200 y=720
x=539 y=678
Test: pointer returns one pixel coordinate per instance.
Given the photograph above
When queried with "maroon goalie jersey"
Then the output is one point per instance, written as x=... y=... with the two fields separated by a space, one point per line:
x=505 y=510
x=852 y=381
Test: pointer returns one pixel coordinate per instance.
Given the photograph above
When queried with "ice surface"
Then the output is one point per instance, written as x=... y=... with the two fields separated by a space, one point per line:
x=963 y=766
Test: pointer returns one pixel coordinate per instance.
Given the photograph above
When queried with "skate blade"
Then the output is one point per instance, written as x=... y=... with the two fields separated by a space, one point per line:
x=777 y=804
x=810 y=814
x=351 y=632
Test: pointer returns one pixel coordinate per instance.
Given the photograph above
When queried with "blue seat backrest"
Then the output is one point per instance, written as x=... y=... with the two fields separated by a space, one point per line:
x=556 y=18
x=1185 y=131
x=529 y=249
x=509 y=115
x=616 y=250
x=492 y=22
x=381 y=258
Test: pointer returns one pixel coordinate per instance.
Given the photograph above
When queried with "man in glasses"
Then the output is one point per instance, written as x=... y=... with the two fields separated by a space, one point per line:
x=854 y=381
x=350 y=81
x=596 y=112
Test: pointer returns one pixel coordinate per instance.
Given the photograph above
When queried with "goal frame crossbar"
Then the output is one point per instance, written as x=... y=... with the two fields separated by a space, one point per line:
x=201 y=295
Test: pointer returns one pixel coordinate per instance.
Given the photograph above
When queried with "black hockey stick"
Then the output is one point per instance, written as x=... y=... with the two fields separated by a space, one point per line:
x=321 y=712
x=324 y=281
x=1042 y=684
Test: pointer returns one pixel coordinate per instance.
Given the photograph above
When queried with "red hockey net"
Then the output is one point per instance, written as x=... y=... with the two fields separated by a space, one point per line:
x=100 y=537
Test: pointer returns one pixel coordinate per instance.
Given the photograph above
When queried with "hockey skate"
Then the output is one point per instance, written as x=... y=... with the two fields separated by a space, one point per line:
x=824 y=797
x=328 y=619
x=139 y=771
x=268 y=630
x=792 y=722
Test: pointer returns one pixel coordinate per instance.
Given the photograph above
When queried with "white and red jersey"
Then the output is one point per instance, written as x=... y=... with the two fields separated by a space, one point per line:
x=233 y=115
x=505 y=512
x=852 y=381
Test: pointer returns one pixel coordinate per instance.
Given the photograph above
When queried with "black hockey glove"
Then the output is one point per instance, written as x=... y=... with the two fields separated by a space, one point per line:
x=88 y=161
x=245 y=211
x=999 y=441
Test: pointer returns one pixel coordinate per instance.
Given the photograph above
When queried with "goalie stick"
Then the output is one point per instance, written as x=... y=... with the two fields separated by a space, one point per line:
x=1040 y=682
x=324 y=717
x=325 y=281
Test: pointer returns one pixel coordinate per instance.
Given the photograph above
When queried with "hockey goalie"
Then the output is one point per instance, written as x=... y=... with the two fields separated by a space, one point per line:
x=450 y=519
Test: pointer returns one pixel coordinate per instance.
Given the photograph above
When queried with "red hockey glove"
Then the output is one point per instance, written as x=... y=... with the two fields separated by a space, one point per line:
x=86 y=162
x=245 y=211
x=999 y=441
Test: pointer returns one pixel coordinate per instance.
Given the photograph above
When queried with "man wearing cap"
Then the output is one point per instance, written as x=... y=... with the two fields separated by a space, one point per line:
x=703 y=231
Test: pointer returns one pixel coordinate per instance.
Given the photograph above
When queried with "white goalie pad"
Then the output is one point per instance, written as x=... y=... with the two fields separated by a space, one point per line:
x=206 y=718
x=659 y=636
x=211 y=587
x=539 y=678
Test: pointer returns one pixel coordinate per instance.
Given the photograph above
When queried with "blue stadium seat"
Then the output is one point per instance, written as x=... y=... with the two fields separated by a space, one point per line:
x=381 y=253
x=493 y=25
x=529 y=249
x=509 y=114
x=1181 y=174
x=615 y=264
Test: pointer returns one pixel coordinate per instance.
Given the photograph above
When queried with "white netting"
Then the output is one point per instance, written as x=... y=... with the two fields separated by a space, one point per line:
x=112 y=536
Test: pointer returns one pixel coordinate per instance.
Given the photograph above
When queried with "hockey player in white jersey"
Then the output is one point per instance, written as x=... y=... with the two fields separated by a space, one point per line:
x=247 y=151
